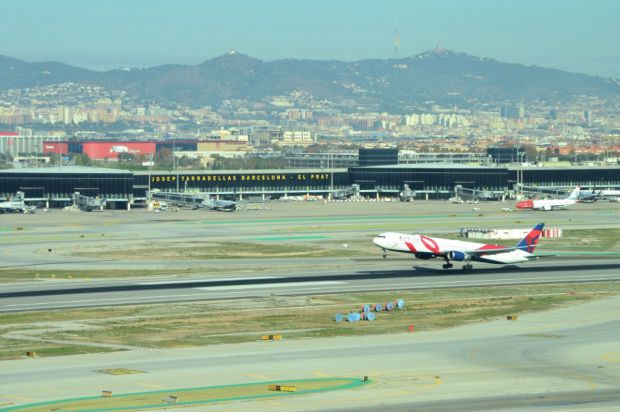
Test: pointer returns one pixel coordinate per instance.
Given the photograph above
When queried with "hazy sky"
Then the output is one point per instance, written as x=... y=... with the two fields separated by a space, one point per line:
x=574 y=35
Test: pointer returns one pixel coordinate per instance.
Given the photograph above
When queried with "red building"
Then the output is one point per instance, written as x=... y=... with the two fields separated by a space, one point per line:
x=112 y=149
x=60 y=148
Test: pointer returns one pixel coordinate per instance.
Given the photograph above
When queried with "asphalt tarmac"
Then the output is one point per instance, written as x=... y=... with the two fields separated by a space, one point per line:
x=71 y=294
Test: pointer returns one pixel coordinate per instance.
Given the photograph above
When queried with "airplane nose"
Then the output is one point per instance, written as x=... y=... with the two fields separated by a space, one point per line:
x=525 y=204
x=379 y=241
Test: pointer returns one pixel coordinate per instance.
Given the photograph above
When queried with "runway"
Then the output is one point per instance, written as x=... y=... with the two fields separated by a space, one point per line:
x=560 y=360
x=71 y=294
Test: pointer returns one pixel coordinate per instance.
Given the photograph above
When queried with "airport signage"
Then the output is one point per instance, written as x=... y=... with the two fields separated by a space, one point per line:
x=253 y=177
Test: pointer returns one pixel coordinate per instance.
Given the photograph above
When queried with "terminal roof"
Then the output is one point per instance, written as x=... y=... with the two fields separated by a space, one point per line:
x=432 y=166
x=238 y=172
x=65 y=170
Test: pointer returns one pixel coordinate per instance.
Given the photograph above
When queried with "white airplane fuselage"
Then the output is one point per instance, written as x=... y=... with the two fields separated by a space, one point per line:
x=426 y=247
x=545 y=204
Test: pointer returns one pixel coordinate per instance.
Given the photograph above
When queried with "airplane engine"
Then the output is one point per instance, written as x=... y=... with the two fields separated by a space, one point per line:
x=458 y=256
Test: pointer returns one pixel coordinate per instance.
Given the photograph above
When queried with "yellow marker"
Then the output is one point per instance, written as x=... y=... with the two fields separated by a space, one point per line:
x=611 y=356
x=282 y=388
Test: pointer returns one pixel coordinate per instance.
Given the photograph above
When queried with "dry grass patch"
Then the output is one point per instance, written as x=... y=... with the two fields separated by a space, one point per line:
x=243 y=320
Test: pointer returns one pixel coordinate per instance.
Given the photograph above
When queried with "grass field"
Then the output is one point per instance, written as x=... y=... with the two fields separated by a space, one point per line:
x=244 y=320
x=220 y=250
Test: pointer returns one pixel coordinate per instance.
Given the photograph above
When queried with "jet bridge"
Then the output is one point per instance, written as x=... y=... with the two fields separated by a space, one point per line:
x=352 y=191
x=88 y=203
x=180 y=199
x=191 y=200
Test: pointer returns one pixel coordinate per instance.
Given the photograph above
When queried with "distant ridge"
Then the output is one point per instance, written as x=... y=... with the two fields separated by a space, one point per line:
x=440 y=75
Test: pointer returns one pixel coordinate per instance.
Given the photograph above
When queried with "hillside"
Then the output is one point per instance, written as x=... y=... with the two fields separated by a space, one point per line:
x=441 y=76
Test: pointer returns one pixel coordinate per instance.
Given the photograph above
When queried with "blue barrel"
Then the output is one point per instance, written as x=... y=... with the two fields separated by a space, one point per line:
x=338 y=317
x=389 y=306
x=370 y=316
x=353 y=317
x=377 y=307
x=400 y=304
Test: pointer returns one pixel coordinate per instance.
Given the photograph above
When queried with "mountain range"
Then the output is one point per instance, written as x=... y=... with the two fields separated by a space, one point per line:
x=440 y=76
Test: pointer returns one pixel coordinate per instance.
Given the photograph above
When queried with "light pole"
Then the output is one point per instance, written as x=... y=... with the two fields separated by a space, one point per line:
x=331 y=174
x=174 y=163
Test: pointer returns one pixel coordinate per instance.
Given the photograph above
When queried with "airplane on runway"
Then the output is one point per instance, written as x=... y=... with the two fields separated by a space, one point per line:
x=426 y=247
x=549 y=204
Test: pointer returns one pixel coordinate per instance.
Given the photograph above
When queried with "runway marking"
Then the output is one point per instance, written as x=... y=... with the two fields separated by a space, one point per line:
x=172 y=282
x=423 y=388
x=320 y=374
x=273 y=286
x=152 y=385
x=582 y=378
x=613 y=357
x=259 y=377
x=435 y=383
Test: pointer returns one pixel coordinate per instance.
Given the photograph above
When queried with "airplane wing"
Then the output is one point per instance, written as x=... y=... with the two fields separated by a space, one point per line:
x=481 y=252
x=460 y=255
x=494 y=251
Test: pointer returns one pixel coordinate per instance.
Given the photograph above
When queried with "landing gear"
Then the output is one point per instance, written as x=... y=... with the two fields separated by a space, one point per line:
x=447 y=265
x=384 y=255
x=468 y=267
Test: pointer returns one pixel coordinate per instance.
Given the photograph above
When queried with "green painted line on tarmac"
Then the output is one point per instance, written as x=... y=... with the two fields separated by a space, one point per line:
x=320 y=219
x=349 y=383
x=277 y=238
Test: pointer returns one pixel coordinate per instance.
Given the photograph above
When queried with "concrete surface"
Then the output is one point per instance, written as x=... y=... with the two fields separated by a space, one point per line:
x=565 y=359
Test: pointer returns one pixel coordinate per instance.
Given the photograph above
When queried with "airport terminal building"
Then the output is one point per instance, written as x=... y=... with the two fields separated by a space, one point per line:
x=432 y=181
x=378 y=173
